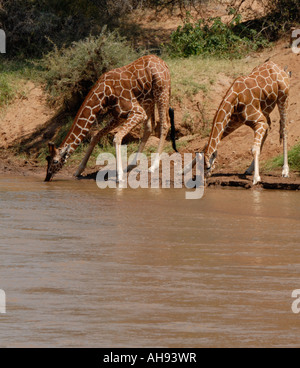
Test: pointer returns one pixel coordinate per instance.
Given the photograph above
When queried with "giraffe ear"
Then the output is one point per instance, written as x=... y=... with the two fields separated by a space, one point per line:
x=51 y=147
x=65 y=151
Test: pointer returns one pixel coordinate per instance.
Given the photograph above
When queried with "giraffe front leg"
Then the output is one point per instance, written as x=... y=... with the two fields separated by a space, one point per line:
x=260 y=129
x=95 y=140
x=256 y=154
x=250 y=169
x=83 y=163
x=148 y=128
x=137 y=116
x=119 y=169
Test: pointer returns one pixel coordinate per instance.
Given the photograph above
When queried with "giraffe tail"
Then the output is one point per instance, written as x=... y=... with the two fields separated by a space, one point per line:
x=173 y=132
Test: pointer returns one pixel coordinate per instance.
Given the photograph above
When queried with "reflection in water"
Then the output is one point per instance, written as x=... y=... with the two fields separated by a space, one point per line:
x=146 y=268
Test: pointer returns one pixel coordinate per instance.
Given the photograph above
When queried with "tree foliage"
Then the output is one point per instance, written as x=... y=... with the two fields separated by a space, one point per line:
x=279 y=16
x=33 y=26
x=212 y=37
x=70 y=72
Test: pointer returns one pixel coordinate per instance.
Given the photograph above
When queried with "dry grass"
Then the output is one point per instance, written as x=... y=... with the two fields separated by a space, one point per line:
x=190 y=75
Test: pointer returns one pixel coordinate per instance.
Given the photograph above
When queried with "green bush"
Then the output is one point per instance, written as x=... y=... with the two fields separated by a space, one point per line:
x=71 y=72
x=212 y=37
x=293 y=157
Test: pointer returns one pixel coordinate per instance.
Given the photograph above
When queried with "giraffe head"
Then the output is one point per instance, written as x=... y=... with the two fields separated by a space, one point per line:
x=209 y=163
x=56 y=159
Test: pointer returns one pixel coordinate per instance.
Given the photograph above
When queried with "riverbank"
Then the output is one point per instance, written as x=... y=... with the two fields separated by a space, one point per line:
x=223 y=179
x=198 y=86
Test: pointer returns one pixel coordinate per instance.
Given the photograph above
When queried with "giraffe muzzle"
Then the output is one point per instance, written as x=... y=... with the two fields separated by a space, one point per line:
x=49 y=177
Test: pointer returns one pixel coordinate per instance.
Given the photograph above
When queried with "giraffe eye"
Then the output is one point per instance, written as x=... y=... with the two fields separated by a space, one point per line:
x=55 y=162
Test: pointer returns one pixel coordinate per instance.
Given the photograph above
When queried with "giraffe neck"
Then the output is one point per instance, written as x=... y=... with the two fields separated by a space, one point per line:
x=86 y=116
x=221 y=119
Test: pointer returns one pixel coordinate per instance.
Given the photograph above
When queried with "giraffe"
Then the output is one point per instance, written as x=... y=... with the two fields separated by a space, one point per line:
x=129 y=94
x=249 y=101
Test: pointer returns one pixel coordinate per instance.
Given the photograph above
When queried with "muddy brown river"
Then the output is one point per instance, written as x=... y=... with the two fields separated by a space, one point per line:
x=85 y=267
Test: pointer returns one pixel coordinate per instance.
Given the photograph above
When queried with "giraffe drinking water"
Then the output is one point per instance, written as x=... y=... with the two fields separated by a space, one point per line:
x=130 y=94
x=249 y=101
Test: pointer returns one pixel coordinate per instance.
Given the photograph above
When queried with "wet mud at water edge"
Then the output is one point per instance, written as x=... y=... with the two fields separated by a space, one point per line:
x=84 y=267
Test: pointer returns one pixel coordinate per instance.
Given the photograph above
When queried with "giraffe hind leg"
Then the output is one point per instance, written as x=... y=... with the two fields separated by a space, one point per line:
x=260 y=128
x=282 y=107
x=164 y=119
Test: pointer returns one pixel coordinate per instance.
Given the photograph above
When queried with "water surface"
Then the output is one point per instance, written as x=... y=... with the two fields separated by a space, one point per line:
x=84 y=267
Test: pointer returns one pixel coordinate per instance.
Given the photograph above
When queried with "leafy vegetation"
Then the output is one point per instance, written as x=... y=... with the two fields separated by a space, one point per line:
x=212 y=37
x=293 y=157
x=33 y=26
x=71 y=72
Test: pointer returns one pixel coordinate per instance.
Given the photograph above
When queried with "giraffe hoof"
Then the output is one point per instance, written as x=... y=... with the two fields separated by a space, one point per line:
x=78 y=172
x=121 y=183
x=152 y=169
x=256 y=180
x=285 y=173
x=208 y=173
x=77 y=175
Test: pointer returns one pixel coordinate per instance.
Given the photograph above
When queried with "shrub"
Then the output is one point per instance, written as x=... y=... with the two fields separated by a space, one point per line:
x=71 y=72
x=213 y=37
x=293 y=157
x=31 y=24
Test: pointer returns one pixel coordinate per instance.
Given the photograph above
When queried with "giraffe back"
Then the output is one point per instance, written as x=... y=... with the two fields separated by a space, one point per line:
x=261 y=90
x=145 y=80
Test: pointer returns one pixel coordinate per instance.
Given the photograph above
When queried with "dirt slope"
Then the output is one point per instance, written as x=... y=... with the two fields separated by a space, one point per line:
x=26 y=116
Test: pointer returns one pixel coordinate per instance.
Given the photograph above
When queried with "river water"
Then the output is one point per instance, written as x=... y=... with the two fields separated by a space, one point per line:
x=85 y=267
